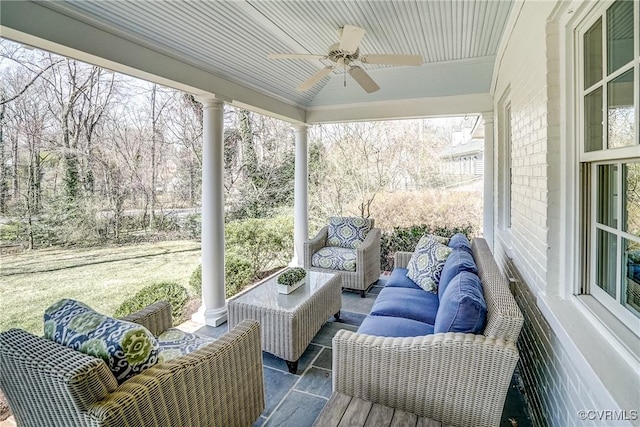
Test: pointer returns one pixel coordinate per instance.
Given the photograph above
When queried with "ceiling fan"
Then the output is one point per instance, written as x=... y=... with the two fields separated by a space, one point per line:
x=346 y=54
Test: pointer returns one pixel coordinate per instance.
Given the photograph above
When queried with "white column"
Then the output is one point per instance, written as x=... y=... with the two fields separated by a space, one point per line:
x=487 y=222
x=214 y=305
x=300 y=201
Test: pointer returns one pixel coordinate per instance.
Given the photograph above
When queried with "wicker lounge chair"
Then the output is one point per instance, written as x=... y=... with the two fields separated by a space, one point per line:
x=367 y=255
x=48 y=384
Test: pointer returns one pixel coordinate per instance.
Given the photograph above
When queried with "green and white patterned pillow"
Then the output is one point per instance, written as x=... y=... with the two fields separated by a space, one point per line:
x=347 y=232
x=127 y=348
x=175 y=343
x=427 y=262
x=425 y=239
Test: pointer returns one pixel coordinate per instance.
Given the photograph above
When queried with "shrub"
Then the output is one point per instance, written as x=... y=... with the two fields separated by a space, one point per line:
x=264 y=242
x=406 y=239
x=174 y=293
x=195 y=281
x=238 y=274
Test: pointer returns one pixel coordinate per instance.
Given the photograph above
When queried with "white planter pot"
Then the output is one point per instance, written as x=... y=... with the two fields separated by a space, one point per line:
x=284 y=289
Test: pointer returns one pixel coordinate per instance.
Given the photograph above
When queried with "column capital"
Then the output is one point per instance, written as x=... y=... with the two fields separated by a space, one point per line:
x=301 y=126
x=212 y=100
x=487 y=116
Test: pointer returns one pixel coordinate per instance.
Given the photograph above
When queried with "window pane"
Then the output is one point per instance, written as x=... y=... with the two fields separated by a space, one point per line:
x=606 y=262
x=607 y=195
x=631 y=203
x=619 y=34
x=621 y=112
x=593 y=54
x=631 y=280
x=593 y=121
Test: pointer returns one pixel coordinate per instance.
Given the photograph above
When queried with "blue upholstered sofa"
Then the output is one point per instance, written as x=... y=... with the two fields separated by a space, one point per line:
x=404 y=309
x=401 y=357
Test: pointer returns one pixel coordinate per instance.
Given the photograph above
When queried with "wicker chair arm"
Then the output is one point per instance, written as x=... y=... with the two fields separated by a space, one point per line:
x=220 y=384
x=47 y=383
x=368 y=255
x=457 y=379
x=371 y=241
x=401 y=259
x=314 y=245
x=155 y=317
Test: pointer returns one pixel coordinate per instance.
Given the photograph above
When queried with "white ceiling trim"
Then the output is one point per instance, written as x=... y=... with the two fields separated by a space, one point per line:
x=402 y=109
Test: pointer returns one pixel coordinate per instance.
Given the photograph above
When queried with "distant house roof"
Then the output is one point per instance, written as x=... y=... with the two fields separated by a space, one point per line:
x=473 y=146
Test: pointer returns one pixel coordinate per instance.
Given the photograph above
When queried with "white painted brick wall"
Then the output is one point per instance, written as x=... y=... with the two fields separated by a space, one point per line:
x=529 y=69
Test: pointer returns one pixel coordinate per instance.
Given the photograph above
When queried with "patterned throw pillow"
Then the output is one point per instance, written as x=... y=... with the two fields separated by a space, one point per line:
x=175 y=343
x=427 y=262
x=425 y=239
x=347 y=232
x=127 y=348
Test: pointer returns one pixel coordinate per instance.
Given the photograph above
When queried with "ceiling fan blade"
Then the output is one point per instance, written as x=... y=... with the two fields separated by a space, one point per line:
x=392 y=59
x=351 y=38
x=315 y=78
x=295 y=56
x=363 y=79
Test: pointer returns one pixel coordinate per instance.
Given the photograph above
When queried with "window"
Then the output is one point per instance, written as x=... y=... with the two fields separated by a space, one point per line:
x=610 y=157
x=505 y=171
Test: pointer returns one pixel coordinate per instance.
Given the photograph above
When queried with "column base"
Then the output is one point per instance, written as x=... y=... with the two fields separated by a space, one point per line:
x=211 y=317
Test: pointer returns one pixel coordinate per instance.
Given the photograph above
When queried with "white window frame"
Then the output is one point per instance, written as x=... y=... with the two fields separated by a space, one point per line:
x=591 y=160
x=505 y=154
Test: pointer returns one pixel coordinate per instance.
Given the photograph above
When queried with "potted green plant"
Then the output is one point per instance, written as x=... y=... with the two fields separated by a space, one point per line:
x=291 y=279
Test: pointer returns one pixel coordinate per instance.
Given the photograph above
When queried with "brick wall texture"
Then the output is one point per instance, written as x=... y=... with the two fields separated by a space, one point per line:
x=527 y=74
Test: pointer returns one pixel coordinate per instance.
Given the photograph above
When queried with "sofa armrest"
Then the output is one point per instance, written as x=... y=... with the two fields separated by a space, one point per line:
x=457 y=379
x=155 y=317
x=314 y=245
x=401 y=259
x=221 y=384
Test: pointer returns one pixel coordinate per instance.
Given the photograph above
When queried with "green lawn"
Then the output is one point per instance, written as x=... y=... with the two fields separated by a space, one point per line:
x=100 y=277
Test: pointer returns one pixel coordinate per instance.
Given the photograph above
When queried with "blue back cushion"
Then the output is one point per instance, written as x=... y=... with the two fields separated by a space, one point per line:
x=399 y=279
x=460 y=241
x=462 y=307
x=460 y=260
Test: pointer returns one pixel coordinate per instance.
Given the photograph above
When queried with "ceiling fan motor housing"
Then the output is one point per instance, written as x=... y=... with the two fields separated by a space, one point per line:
x=336 y=54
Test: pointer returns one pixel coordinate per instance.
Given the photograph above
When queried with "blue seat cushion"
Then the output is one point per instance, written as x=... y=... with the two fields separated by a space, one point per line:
x=460 y=241
x=458 y=261
x=335 y=258
x=415 y=304
x=386 y=326
x=399 y=279
x=462 y=307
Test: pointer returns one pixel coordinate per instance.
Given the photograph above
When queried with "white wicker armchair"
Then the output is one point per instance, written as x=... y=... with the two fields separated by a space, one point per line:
x=367 y=262
x=48 y=384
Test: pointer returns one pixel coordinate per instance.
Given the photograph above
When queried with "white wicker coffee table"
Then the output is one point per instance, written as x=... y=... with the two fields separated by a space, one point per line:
x=288 y=323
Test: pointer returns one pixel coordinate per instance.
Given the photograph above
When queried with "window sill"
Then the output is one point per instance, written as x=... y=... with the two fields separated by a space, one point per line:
x=607 y=357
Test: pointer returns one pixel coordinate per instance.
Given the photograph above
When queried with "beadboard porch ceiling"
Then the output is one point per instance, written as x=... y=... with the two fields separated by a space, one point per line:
x=221 y=47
